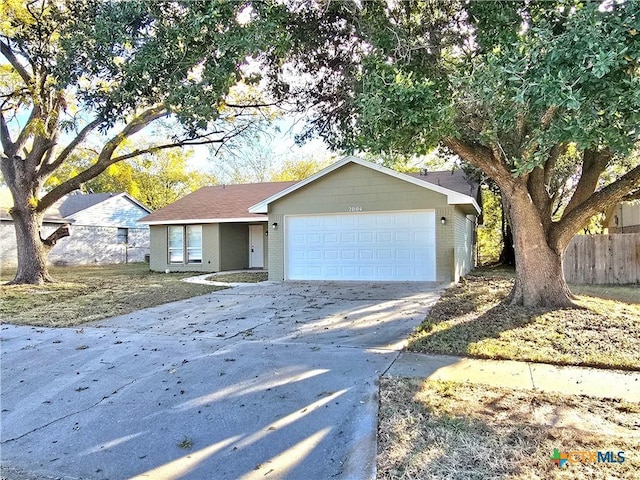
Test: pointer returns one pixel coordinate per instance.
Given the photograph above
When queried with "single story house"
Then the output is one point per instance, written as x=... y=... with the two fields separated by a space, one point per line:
x=211 y=229
x=103 y=229
x=353 y=220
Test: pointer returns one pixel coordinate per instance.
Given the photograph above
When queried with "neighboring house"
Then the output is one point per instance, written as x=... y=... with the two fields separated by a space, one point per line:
x=354 y=220
x=103 y=229
x=624 y=218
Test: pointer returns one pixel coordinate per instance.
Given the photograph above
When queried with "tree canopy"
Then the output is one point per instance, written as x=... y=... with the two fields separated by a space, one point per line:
x=77 y=71
x=543 y=97
x=155 y=179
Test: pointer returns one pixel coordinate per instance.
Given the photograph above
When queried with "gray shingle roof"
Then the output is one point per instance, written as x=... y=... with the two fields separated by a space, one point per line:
x=74 y=203
x=454 y=180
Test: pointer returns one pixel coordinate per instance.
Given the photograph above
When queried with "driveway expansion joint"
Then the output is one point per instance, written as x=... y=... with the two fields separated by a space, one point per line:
x=68 y=415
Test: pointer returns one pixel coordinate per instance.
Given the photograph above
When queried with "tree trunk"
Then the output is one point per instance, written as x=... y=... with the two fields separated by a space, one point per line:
x=507 y=255
x=539 y=276
x=32 y=251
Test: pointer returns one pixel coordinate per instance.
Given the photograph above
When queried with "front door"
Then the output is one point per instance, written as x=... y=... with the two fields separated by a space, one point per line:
x=256 y=246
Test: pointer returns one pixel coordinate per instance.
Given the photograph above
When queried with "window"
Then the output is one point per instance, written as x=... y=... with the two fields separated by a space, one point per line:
x=123 y=235
x=194 y=244
x=179 y=250
x=176 y=244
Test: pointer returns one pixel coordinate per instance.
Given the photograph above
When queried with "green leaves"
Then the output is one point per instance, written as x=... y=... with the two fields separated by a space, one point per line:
x=123 y=56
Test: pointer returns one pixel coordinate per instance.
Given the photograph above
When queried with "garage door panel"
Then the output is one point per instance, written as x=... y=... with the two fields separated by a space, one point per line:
x=330 y=238
x=348 y=237
x=404 y=237
x=361 y=246
x=348 y=254
x=314 y=255
x=331 y=255
x=366 y=255
x=384 y=237
x=384 y=254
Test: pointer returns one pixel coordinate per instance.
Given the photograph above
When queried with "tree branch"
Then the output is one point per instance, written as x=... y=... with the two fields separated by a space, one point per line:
x=556 y=152
x=563 y=231
x=15 y=63
x=105 y=159
x=61 y=232
x=200 y=140
x=5 y=137
x=49 y=168
x=593 y=164
x=540 y=195
x=483 y=158
x=632 y=196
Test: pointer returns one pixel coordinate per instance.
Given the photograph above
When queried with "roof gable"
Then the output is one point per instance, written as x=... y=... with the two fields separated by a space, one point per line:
x=217 y=204
x=453 y=197
x=74 y=203
x=80 y=201
x=65 y=208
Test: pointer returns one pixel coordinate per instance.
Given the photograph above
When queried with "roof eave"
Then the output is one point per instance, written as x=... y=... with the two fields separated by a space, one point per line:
x=192 y=221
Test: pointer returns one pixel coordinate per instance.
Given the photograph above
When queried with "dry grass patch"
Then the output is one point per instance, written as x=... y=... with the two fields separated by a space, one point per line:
x=240 y=277
x=85 y=294
x=471 y=318
x=445 y=430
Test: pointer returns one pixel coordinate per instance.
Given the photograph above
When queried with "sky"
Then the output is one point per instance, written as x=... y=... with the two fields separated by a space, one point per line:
x=275 y=146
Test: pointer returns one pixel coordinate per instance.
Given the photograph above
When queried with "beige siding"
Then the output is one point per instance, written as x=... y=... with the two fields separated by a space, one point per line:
x=445 y=243
x=370 y=191
x=627 y=215
x=276 y=247
x=464 y=245
x=210 y=251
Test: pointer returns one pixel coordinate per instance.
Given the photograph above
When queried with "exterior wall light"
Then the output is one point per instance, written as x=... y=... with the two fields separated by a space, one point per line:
x=274 y=225
x=443 y=220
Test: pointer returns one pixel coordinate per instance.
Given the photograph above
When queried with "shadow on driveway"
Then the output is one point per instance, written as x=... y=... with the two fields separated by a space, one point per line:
x=271 y=381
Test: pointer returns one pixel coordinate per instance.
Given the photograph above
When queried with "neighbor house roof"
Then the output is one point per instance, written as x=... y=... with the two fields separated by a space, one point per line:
x=66 y=206
x=76 y=202
x=454 y=197
x=455 y=180
x=217 y=204
x=52 y=214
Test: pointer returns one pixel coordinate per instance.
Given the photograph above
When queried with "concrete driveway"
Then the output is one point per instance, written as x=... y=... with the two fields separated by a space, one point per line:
x=261 y=381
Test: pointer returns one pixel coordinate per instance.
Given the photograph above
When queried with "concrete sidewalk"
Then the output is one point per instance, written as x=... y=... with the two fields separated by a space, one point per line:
x=569 y=380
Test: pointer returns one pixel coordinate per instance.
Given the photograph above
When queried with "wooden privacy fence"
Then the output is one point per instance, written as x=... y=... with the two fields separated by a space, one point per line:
x=601 y=259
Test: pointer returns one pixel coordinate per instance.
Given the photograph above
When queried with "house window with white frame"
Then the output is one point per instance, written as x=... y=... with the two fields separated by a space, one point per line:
x=194 y=243
x=179 y=249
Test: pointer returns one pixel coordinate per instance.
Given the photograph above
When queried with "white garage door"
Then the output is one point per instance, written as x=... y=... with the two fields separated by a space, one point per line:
x=361 y=246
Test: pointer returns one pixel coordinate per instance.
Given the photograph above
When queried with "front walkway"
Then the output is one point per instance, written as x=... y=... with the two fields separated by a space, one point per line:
x=569 y=380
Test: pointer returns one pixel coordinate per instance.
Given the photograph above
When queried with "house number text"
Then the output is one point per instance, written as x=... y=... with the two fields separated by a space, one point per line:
x=354 y=209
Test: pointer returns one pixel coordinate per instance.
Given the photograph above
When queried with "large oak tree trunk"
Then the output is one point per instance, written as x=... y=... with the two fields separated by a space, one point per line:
x=539 y=277
x=507 y=255
x=32 y=250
